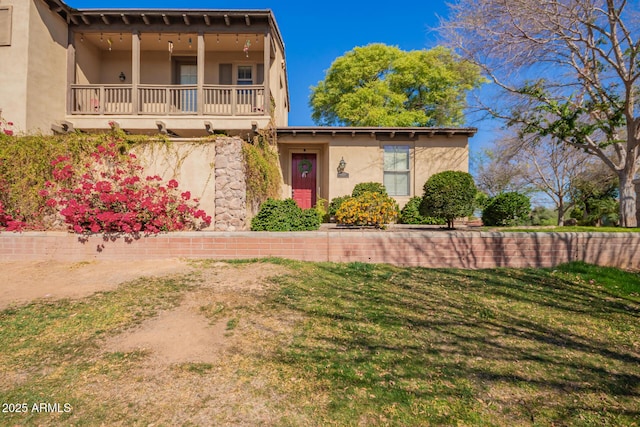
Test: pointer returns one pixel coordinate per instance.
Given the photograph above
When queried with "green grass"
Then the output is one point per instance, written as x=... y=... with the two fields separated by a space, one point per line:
x=368 y=345
x=49 y=347
x=392 y=346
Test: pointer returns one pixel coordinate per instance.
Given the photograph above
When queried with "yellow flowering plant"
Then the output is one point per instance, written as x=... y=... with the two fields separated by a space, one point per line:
x=368 y=209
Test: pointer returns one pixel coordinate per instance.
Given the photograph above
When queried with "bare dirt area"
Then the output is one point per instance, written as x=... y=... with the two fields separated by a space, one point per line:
x=22 y=282
x=193 y=364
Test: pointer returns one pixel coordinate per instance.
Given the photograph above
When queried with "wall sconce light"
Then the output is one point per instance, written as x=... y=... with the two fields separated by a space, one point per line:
x=341 y=166
x=122 y=77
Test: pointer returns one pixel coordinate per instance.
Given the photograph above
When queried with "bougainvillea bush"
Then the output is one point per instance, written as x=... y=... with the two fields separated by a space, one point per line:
x=8 y=223
x=109 y=194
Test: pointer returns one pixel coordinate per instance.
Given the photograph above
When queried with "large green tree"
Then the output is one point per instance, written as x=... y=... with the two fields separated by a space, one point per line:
x=566 y=69
x=380 y=85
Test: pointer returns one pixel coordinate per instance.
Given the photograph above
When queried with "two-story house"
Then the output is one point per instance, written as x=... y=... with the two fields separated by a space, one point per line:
x=182 y=72
x=188 y=73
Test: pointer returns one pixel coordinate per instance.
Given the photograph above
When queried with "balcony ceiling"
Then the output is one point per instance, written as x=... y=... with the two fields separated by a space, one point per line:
x=91 y=25
x=160 y=41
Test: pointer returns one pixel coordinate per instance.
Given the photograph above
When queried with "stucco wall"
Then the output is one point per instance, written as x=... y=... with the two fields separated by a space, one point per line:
x=364 y=157
x=13 y=66
x=47 y=68
x=189 y=163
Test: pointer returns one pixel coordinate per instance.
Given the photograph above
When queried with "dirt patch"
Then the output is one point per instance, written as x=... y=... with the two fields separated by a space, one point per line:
x=26 y=281
x=195 y=364
x=202 y=326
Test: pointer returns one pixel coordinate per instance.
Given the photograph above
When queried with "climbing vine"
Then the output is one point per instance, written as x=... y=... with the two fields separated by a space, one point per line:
x=25 y=167
x=262 y=169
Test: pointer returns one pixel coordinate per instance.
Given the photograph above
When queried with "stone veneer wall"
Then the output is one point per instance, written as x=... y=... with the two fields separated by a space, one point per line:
x=230 y=186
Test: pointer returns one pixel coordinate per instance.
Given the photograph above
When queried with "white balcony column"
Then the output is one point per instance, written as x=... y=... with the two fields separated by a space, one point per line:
x=267 y=69
x=200 y=71
x=135 y=70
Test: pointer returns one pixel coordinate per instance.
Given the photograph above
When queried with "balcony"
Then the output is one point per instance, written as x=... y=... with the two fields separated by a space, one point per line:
x=167 y=100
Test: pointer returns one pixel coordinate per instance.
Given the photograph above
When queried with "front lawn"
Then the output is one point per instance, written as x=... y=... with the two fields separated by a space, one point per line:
x=341 y=344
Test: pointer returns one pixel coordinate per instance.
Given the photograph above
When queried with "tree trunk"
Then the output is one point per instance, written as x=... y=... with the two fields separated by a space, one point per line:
x=627 y=200
x=560 y=213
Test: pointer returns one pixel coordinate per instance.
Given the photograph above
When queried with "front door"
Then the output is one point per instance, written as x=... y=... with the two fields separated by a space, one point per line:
x=303 y=179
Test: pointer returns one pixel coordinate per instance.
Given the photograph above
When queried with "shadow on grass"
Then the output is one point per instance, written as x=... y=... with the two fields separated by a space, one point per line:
x=496 y=346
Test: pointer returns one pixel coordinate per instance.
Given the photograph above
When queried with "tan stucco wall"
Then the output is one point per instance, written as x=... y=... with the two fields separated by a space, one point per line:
x=189 y=163
x=87 y=62
x=278 y=85
x=33 y=68
x=13 y=66
x=47 y=68
x=364 y=158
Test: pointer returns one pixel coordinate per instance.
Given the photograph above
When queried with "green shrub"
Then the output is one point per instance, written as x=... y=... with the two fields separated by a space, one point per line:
x=543 y=216
x=373 y=187
x=507 y=209
x=449 y=195
x=335 y=204
x=410 y=214
x=285 y=215
x=321 y=207
x=368 y=209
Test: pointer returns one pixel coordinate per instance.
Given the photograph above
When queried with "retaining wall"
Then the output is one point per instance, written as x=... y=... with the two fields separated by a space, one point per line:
x=416 y=248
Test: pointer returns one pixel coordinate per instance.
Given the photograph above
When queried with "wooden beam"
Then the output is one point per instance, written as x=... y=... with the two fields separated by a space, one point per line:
x=73 y=19
x=145 y=18
x=227 y=20
x=105 y=18
x=166 y=20
x=247 y=20
x=207 y=20
x=85 y=19
x=186 y=19
x=125 y=18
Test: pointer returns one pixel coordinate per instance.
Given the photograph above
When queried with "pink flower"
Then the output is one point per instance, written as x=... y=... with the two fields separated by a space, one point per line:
x=172 y=184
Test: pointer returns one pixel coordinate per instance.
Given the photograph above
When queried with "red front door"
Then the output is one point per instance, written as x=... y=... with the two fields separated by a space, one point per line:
x=303 y=179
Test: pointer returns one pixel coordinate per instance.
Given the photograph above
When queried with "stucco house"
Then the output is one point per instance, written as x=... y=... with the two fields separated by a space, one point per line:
x=188 y=73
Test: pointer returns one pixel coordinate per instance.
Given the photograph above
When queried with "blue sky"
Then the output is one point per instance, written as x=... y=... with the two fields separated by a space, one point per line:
x=316 y=33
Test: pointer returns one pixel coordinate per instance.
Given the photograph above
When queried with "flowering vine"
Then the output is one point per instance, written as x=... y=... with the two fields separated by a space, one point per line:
x=110 y=195
x=6 y=127
x=8 y=223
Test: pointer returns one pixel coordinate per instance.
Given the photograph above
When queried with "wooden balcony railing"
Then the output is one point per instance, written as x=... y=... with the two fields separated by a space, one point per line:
x=217 y=100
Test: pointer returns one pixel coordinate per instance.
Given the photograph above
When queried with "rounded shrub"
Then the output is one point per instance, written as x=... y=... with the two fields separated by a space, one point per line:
x=285 y=215
x=449 y=195
x=410 y=214
x=368 y=209
x=335 y=204
x=372 y=187
x=507 y=209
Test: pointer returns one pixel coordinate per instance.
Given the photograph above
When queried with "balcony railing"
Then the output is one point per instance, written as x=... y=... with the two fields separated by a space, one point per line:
x=217 y=100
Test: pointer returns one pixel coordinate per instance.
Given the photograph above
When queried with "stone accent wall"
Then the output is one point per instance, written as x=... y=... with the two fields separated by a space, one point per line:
x=230 y=184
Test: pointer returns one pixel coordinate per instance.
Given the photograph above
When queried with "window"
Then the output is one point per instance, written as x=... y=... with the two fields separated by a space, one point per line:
x=5 y=25
x=396 y=170
x=245 y=75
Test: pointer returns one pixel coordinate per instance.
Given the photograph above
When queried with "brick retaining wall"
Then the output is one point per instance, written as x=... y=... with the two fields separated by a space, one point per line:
x=415 y=248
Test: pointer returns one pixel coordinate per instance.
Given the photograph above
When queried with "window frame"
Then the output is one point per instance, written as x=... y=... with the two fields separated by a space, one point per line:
x=397 y=172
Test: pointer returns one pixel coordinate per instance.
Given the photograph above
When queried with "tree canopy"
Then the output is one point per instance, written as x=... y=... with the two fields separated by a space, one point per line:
x=380 y=85
x=565 y=69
